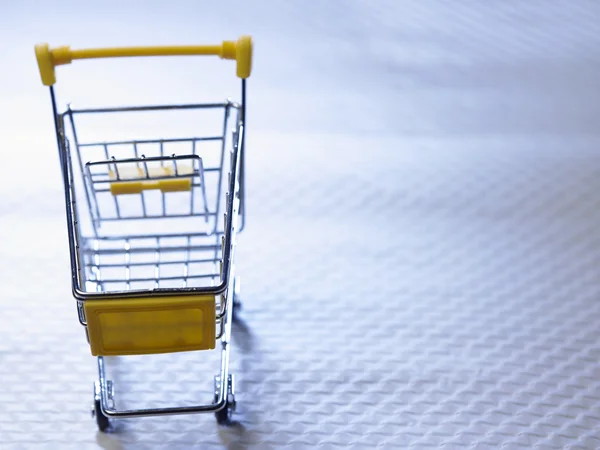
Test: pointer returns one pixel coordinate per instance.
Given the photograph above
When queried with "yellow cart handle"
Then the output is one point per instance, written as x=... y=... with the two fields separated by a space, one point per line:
x=240 y=51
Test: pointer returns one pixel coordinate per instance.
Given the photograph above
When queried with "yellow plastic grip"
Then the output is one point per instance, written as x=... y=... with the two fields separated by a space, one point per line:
x=240 y=51
x=133 y=181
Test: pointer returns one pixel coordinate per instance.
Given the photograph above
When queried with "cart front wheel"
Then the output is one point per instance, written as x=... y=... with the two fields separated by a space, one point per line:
x=224 y=415
x=101 y=420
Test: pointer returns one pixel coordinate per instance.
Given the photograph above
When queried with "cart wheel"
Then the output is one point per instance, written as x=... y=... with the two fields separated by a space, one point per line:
x=101 y=420
x=224 y=415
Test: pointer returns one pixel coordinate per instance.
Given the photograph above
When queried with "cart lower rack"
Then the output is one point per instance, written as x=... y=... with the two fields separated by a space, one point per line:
x=152 y=221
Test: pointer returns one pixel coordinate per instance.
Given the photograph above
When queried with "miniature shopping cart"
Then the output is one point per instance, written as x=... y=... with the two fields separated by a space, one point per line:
x=152 y=222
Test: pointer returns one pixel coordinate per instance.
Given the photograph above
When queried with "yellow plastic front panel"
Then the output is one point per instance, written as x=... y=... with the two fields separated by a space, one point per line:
x=150 y=325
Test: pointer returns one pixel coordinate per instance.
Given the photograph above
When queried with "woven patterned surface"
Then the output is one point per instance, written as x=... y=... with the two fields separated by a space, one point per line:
x=420 y=264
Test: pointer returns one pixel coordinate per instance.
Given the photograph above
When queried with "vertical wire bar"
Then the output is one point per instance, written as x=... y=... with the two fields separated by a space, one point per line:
x=87 y=183
x=135 y=149
x=242 y=169
x=116 y=168
x=147 y=177
x=192 y=191
x=127 y=262
x=222 y=236
x=175 y=168
x=162 y=164
x=97 y=208
x=220 y=182
x=117 y=174
x=146 y=167
x=99 y=287
x=220 y=273
x=157 y=265
x=219 y=269
x=203 y=189
x=221 y=262
x=81 y=271
x=186 y=267
x=223 y=304
x=217 y=263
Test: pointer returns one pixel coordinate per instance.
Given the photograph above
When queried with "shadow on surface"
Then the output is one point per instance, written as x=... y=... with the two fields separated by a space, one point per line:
x=241 y=335
x=110 y=440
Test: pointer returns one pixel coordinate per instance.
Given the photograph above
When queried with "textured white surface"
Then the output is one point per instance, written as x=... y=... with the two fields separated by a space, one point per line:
x=420 y=267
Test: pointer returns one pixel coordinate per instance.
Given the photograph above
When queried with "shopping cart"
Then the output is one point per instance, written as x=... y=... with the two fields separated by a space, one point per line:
x=152 y=225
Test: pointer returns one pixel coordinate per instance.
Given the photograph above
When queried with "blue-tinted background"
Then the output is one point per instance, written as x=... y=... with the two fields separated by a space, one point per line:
x=420 y=264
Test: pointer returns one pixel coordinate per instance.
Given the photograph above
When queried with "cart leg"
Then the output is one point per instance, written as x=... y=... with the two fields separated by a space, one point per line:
x=103 y=394
x=225 y=381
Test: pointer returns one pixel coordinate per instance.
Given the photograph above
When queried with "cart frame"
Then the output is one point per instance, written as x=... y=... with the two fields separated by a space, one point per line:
x=227 y=289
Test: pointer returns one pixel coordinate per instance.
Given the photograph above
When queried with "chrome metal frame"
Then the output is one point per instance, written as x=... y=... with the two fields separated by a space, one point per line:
x=85 y=251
